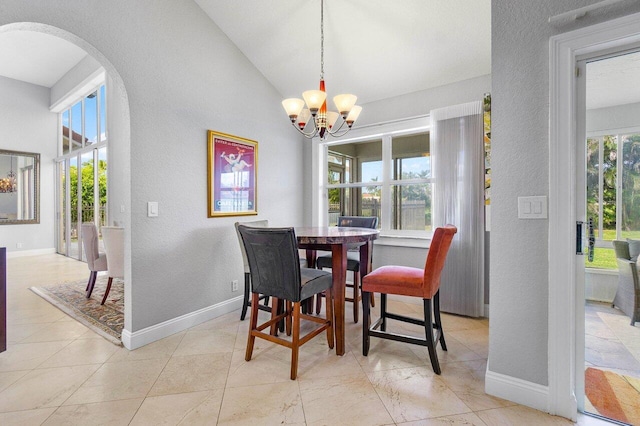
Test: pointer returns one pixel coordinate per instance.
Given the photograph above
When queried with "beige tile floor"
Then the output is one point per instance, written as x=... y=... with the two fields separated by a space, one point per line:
x=57 y=372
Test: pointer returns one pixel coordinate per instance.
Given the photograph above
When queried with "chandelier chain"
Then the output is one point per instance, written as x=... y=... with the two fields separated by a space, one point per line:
x=321 y=39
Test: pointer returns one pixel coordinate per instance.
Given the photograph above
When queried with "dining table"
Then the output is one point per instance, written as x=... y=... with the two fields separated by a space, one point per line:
x=338 y=240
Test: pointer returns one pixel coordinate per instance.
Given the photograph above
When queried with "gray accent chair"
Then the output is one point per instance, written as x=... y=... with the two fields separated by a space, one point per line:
x=96 y=261
x=627 y=297
x=275 y=271
x=353 y=261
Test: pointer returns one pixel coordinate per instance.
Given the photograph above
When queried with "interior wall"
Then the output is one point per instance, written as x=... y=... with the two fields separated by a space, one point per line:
x=182 y=77
x=27 y=125
x=520 y=167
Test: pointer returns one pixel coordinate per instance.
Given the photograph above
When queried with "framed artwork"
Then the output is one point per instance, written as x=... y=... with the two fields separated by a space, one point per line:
x=231 y=168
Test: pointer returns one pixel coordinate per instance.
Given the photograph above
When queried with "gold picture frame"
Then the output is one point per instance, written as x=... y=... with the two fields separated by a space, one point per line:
x=232 y=164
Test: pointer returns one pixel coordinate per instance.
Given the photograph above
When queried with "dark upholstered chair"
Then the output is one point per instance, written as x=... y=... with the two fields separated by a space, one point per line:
x=247 y=272
x=627 y=297
x=415 y=282
x=96 y=261
x=275 y=271
x=353 y=261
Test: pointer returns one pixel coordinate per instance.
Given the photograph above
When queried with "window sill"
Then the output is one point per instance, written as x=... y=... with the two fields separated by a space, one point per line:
x=403 y=241
x=600 y=271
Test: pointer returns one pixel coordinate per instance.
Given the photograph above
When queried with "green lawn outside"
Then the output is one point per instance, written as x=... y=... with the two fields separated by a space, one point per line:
x=605 y=258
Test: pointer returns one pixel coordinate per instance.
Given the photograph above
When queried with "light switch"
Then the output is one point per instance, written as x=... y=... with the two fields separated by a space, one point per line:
x=532 y=207
x=152 y=209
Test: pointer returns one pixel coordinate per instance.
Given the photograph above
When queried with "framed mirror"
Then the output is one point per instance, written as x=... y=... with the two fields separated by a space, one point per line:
x=19 y=187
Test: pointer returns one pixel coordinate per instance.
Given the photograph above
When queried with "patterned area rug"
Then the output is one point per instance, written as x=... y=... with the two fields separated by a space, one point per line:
x=613 y=395
x=107 y=320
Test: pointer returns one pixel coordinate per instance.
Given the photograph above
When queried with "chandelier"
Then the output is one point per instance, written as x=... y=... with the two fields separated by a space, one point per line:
x=322 y=121
x=9 y=184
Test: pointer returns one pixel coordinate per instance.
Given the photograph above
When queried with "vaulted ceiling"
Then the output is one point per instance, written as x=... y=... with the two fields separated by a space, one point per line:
x=375 y=49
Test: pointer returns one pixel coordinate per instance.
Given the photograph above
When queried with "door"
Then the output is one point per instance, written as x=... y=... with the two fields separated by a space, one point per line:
x=607 y=195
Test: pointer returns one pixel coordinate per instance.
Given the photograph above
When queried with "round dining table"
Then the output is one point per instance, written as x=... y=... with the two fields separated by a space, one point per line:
x=338 y=240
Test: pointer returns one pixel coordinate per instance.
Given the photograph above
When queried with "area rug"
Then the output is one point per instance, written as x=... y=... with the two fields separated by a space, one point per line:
x=613 y=395
x=106 y=320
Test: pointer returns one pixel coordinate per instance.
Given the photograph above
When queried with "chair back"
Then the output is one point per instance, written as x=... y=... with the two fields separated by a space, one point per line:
x=255 y=224
x=358 y=221
x=436 y=258
x=90 y=243
x=113 y=239
x=622 y=249
x=273 y=261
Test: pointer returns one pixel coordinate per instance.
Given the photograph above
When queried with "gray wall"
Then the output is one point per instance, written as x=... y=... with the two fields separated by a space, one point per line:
x=27 y=125
x=520 y=149
x=182 y=76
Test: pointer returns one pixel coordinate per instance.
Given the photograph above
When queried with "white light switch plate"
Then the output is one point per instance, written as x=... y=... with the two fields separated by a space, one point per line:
x=532 y=207
x=152 y=209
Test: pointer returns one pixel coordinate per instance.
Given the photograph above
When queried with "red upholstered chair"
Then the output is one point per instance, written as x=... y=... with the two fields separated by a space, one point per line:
x=407 y=281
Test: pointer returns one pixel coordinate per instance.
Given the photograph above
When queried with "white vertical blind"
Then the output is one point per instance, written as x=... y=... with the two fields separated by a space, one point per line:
x=458 y=169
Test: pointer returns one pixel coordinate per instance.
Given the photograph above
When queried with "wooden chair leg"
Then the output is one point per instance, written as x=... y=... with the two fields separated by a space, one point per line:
x=253 y=324
x=366 y=322
x=275 y=309
x=431 y=345
x=288 y=317
x=106 y=293
x=91 y=283
x=383 y=311
x=438 y=321
x=318 y=303
x=330 y=318
x=356 y=296
x=295 y=340
x=247 y=292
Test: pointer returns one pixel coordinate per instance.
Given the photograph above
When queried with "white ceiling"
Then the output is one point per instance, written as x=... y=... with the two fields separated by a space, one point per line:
x=36 y=58
x=374 y=49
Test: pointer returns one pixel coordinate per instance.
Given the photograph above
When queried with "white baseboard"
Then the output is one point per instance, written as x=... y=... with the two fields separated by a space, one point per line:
x=517 y=390
x=21 y=253
x=156 y=332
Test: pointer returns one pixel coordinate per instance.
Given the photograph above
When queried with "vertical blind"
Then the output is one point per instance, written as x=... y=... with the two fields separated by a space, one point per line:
x=458 y=170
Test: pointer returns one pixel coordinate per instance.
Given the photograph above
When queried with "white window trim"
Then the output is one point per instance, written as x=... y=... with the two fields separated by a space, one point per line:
x=385 y=132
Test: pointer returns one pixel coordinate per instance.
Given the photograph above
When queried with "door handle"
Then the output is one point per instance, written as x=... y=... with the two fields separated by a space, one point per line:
x=592 y=240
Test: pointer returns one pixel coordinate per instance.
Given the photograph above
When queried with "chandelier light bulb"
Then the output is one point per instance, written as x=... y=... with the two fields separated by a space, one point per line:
x=344 y=103
x=353 y=115
x=293 y=106
x=314 y=99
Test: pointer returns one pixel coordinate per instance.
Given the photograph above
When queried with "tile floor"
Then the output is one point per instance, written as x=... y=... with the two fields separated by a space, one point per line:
x=57 y=372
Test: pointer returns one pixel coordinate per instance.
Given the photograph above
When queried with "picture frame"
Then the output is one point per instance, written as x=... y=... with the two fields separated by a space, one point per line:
x=232 y=164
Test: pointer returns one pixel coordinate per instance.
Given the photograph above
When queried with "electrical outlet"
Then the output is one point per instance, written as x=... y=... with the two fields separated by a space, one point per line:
x=234 y=285
x=19 y=245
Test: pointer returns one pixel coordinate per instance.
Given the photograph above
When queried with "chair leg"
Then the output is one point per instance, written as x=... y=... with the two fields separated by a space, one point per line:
x=247 y=292
x=276 y=308
x=330 y=318
x=295 y=340
x=288 y=317
x=366 y=323
x=383 y=311
x=318 y=303
x=428 y=326
x=253 y=324
x=91 y=283
x=438 y=321
x=106 y=293
x=356 y=296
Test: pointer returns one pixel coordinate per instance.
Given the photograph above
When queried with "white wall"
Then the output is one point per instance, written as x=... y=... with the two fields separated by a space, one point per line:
x=27 y=125
x=520 y=149
x=182 y=76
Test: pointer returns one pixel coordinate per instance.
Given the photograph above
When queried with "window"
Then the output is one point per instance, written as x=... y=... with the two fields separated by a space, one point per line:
x=82 y=168
x=385 y=175
x=613 y=192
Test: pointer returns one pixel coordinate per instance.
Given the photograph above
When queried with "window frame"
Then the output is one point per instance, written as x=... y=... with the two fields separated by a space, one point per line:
x=385 y=132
